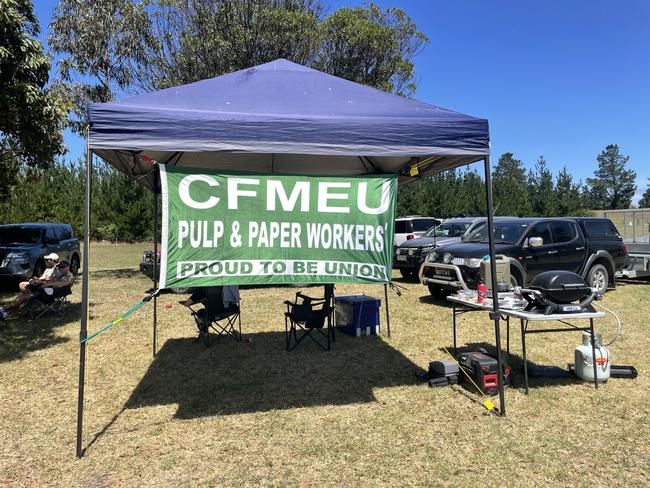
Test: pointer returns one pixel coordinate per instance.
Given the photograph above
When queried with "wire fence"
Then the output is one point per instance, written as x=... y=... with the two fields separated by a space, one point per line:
x=633 y=224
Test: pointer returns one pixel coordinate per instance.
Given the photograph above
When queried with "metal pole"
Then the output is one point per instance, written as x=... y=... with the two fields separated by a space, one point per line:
x=494 y=315
x=155 y=261
x=387 y=311
x=83 y=332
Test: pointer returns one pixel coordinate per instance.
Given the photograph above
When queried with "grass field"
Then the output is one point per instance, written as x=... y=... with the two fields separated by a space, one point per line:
x=251 y=414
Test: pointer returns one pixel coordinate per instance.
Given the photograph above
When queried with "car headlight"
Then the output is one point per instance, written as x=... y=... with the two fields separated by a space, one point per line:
x=472 y=262
x=447 y=258
x=432 y=257
x=16 y=258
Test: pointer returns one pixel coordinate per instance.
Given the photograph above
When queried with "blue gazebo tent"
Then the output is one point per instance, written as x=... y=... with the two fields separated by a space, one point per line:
x=283 y=117
x=278 y=117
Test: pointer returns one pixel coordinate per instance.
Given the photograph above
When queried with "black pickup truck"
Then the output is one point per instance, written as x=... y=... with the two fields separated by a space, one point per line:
x=591 y=247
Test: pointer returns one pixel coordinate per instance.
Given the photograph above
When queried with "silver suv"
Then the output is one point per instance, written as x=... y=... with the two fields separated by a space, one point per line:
x=410 y=255
x=22 y=247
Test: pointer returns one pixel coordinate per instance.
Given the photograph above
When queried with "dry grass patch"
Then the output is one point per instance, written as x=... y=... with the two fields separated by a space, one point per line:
x=251 y=414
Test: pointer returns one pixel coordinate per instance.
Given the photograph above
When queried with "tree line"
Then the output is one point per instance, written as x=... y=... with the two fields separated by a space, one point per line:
x=122 y=209
x=519 y=193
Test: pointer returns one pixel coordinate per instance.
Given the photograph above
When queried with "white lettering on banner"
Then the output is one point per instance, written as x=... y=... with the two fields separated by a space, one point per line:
x=256 y=267
x=276 y=188
x=275 y=191
x=383 y=205
x=356 y=237
x=184 y=191
x=234 y=192
x=324 y=196
x=269 y=234
x=199 y=233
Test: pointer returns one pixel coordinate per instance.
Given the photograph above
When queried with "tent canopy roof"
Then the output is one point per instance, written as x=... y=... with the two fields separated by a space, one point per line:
x=285 y=118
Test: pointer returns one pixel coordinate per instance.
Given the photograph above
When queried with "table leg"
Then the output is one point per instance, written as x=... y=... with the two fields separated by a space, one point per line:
x=593 y=352
x=523 y=350
x=454 y=328
x=508 y=336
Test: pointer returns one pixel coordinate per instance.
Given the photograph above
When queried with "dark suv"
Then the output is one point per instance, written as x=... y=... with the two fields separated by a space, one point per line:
x=591 y=247
x=22 y=247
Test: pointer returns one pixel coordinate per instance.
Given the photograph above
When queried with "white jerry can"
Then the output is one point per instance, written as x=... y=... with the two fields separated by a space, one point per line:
x=584 y=361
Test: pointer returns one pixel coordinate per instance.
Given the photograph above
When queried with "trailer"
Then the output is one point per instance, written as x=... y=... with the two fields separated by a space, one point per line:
x=634 y=226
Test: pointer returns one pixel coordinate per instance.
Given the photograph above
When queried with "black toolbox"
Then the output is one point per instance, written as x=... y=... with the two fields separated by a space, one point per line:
x=482 y=369
x=443 y=373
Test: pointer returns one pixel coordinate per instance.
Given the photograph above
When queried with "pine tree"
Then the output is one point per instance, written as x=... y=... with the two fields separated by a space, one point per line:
x=541 y=190
x=510 y=187
x=613 y=186
x=570 y=201
x=473 y=193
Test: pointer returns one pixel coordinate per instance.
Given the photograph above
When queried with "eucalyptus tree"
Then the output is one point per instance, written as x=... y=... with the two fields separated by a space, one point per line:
x=115 y=47
x=32 y=116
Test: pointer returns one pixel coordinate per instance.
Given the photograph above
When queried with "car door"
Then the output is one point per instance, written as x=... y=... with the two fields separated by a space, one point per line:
x=541 y=258
x=569 y=244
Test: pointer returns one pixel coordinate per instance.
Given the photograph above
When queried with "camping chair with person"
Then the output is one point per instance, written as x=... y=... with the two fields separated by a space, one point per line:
x=52 y=296
x=306 y=317
x=41 y=296
x=221 y=312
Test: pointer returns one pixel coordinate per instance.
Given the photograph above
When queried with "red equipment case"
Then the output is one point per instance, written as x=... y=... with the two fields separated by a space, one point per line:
x=482 y=369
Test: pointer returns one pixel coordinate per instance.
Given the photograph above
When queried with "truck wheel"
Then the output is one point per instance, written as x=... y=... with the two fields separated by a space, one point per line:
x=435 y=290
x=74 y=265
x=408 y=274
x=598 y=278
x=515 y=279
x=438 y=291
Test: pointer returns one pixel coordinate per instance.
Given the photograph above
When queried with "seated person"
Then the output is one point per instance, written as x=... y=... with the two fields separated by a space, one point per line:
x=51 y=262
x=229 y=300
x=57 y=286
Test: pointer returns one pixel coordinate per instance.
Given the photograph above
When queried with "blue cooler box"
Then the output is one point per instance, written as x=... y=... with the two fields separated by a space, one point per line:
x=357 y=315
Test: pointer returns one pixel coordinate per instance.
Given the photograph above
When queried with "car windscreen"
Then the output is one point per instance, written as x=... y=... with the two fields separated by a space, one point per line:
x=504 y=232
x=20 y=235
x=448 y=229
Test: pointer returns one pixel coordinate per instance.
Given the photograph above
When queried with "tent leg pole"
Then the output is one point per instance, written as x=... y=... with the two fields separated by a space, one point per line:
x=494 y=315
x=83 y=332
x=155 y=267
x=387 y=312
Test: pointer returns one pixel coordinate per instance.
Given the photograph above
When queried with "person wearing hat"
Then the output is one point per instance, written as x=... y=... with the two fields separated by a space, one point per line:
x=51 y=261
x=59 y=285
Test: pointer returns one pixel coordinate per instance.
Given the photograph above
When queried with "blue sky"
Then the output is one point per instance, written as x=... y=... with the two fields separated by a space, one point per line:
x=556 y=78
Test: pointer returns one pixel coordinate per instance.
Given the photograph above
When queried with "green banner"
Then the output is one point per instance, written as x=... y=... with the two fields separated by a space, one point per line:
x=227 y=229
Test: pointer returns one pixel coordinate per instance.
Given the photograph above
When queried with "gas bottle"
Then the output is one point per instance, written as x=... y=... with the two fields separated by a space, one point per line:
x=584 y=361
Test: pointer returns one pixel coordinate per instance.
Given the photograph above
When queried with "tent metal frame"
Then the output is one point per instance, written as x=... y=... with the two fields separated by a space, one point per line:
x=80 y=451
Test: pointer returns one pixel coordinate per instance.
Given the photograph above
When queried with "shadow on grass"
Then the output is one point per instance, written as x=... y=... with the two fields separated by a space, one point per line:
x=436 y=300
x=231 y=377
x=115 y=273
x=19 y=335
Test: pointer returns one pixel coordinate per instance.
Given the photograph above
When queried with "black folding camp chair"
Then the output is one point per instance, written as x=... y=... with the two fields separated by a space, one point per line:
x=41 y=305
x=222 y=319
x=307 y=317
